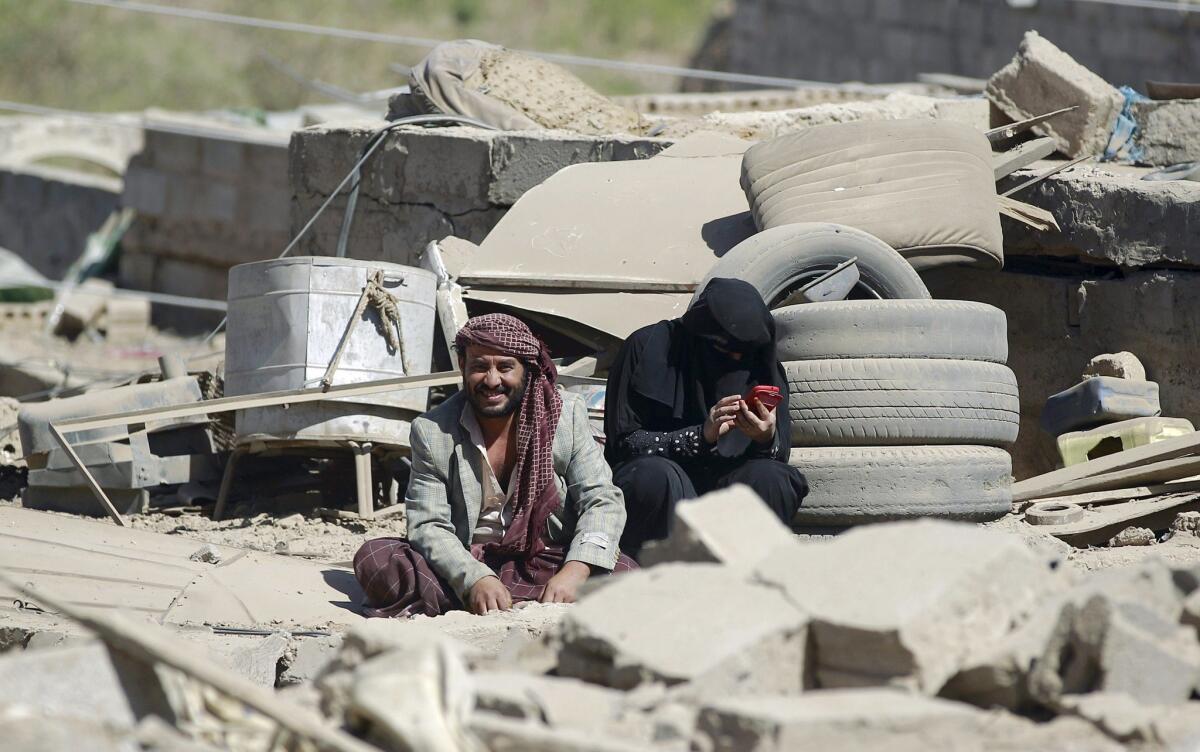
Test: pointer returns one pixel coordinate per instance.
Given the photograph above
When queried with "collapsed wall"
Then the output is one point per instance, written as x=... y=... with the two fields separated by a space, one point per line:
x=207 y=198
x=424 y=184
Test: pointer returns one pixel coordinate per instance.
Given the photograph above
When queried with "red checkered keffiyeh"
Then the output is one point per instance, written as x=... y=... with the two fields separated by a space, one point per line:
x=534 y=492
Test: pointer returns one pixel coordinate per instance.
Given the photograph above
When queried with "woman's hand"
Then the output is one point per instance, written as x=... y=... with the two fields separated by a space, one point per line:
x=758 y=424
x=721 y=418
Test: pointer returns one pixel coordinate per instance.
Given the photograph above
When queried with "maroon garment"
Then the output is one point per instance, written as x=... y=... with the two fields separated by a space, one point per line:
x=534 y=493
x=398 y=581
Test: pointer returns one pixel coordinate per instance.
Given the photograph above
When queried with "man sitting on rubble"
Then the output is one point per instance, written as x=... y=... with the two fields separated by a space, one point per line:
x=677 y=419
x=510 y=498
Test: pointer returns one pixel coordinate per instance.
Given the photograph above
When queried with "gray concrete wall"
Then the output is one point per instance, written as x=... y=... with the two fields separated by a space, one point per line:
x=204 y=203
x=425 y=184
x=1057 y=323
x=893 y=40
x=46 y=214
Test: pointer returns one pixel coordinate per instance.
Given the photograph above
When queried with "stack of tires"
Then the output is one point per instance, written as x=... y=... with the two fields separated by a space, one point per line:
x=899 y=409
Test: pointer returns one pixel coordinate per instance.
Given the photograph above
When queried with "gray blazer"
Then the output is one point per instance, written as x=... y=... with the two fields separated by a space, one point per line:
x=445 y=493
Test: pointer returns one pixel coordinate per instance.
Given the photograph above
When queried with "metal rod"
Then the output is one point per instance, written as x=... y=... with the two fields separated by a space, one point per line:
x=1012 y=129
x=264 y=399
x=543 y=282
x=1039 y=178
x=87 y=476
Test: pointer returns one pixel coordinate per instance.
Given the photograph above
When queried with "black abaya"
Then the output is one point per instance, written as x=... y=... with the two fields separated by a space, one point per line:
x=661 y=387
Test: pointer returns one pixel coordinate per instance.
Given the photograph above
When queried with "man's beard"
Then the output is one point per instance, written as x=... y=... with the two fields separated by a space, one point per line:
x=504 y=409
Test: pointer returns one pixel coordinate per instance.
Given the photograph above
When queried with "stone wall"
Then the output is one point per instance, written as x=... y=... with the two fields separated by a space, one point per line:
x=894 y=40
x=425 y=184
x=46 y=214
x=205 y=202
x=1056 y=323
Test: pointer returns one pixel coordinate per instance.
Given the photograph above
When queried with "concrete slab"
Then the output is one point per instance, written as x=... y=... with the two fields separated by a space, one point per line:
x=905 y=604
x=698 y=623
x=732 y=527
x=143 y=573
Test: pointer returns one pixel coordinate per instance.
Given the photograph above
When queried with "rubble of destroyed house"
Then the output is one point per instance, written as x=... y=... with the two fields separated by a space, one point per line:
x=984 y=302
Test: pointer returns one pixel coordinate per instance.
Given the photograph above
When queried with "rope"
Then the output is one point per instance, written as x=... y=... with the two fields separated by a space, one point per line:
x=385 y=303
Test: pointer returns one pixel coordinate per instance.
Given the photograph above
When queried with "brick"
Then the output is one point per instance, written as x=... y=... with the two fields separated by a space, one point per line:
x=1169 y=131
x=222 y=158
x=173 y=152
x=1042 y=78
x=732 y=527
x=886 y=601
x=700 y=624
x=1122 y=365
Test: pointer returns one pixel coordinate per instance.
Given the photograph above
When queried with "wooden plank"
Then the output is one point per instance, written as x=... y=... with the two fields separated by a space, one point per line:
x=153 y=645
x=97 y=491
x=1098 y=526
x=1115 y=496
x=1006 y=163
x=264 y=399
x=1052 y=483
x=1155 y=472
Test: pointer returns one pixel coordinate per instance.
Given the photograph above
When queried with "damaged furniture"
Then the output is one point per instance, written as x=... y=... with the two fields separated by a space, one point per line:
x=129 y=463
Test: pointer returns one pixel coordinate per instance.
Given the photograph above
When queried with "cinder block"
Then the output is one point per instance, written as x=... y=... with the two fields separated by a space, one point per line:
x=732 y=527
x=1168 y=131
x=221 y=158
x=701 y=624
x=886 y=601
x=218 y=202
x=1042 y=78
x=83 y=306
x=173 y=152
x=145 y=191
x=1098 y=400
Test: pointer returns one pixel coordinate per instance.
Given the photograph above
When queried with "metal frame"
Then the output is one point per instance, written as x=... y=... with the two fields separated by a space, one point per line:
x=226 y=404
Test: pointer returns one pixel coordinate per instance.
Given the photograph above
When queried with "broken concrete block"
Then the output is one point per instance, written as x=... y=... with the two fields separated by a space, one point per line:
x=1102 y=399
x=307 y=657
x=906 y=603
x=1081 y=446
x=83 y=306
x=1117 y=715
x=79 y=683
x=732 y=526
x=1186 y=523
x=675 y=623
x=208 y=554
x=555 y=701
x=126 y=320
x=1105 y=646
x=1042 y=78
x=1133 y=536
x=1191 y=611
x=876 y=719
x=996 y=673
x=1168 y=131
x=1122 y=365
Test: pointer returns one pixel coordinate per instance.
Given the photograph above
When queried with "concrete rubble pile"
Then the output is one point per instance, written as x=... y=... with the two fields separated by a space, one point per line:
x=914 y=635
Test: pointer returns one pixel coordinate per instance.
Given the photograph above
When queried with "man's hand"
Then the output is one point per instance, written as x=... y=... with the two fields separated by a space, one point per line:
x=721 y=418
x=489 y=594
x=758 y=424
x=562 y=587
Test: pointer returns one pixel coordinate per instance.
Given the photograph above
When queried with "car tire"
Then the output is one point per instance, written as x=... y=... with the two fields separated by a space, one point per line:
x=857 y=485
x=888 y=402
x=781 y=260
x=947 y=329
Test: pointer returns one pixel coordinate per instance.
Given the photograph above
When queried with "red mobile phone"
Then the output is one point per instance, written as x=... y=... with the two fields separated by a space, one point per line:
x=768 y=395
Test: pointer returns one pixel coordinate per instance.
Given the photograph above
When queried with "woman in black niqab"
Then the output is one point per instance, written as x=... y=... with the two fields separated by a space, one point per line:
x=666 y=384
